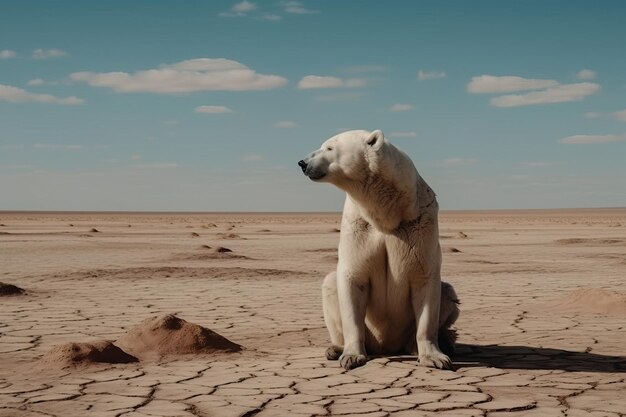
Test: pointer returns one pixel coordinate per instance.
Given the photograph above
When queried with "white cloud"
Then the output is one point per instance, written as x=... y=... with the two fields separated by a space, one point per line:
x=35 y=81
x=619 y=115
x=586 y=74
x=202 y=74
x=57 y=146
x=158 y=165
x=213 y=109
x=239 y=9
x=243 y=7
x=251 y=157
x=591 y=139
x=409 y=134
x=285 y=124
x=557 y=94
x=316 y=81
x=458 y=161
x=18 y=95
x=401 y=107
x=506 y=84
x=48 y=53
x=430 y=75
x=7 y=53
x=296 y=7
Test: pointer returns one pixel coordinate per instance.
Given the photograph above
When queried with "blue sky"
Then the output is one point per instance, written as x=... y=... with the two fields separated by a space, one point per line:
x=208 y=105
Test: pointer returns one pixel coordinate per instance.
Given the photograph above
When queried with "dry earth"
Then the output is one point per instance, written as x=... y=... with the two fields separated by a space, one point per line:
x=93 y=276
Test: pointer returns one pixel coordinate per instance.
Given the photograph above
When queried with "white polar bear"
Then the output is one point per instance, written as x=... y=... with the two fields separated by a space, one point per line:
x=386 y=295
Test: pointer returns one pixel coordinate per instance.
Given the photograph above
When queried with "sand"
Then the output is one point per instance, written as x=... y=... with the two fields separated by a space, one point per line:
x=7 y=289
x=165 y=335
x=77 y=354
x=541 y=331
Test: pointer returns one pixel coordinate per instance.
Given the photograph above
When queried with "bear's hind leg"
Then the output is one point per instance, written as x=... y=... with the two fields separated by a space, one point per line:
x=448 y=314
x=332 y=316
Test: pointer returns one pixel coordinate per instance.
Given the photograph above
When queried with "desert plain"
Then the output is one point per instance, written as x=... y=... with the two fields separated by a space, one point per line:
x=542 y=330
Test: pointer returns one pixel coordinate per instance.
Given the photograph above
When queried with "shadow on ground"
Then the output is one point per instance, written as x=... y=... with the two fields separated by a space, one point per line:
x=530 y=357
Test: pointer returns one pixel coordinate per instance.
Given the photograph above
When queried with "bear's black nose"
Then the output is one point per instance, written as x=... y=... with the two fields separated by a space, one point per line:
x=302 y=165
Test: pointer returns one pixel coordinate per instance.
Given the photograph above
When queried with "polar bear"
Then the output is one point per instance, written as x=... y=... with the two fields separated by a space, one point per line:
x=386 y=295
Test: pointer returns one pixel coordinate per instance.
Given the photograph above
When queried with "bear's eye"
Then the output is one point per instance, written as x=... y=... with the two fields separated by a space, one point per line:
x=329 y=148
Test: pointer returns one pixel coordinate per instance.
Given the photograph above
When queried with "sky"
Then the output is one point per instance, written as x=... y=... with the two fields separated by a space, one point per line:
x=209 y=105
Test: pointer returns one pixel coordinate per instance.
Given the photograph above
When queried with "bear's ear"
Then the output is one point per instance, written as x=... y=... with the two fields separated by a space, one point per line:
x=375 y=139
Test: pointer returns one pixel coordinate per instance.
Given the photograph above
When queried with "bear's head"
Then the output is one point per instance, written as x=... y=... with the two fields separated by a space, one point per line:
x=345 y=159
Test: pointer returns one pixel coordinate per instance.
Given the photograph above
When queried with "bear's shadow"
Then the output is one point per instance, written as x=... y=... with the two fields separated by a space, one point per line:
x=531 y=357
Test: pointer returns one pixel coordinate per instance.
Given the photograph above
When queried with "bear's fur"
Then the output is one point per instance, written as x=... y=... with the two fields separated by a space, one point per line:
x=386 y=295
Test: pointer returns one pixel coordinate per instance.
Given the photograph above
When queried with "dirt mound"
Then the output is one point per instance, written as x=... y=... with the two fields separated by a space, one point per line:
x=461 y=235
x=194 y=234
x=228 y=236
x=335 y=230
x=450 y=249
x=590 y=241
x=83 y=354
x=10 y=289
x=592 y=301
x=169 y=335
x=219 y=252
x=94 y=230
x=322 y=250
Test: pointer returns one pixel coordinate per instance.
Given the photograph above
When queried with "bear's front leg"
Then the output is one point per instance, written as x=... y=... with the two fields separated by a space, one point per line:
x=353 y=292
x=426 y=299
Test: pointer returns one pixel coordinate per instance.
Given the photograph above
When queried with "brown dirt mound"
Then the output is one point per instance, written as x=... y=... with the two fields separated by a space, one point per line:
x=592 y=301
x=228 y=236
x=217 y=253
x=10 y=289
x=170 y=335
x=461 y=235
x=83 y=354
x=94 y=230
x=335 y=230
x=590 y=241
x=208 y=226
x=194 y=234
x=449 y=249
x=208 y=256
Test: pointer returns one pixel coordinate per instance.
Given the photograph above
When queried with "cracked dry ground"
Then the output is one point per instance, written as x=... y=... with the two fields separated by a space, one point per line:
x=519 y=354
